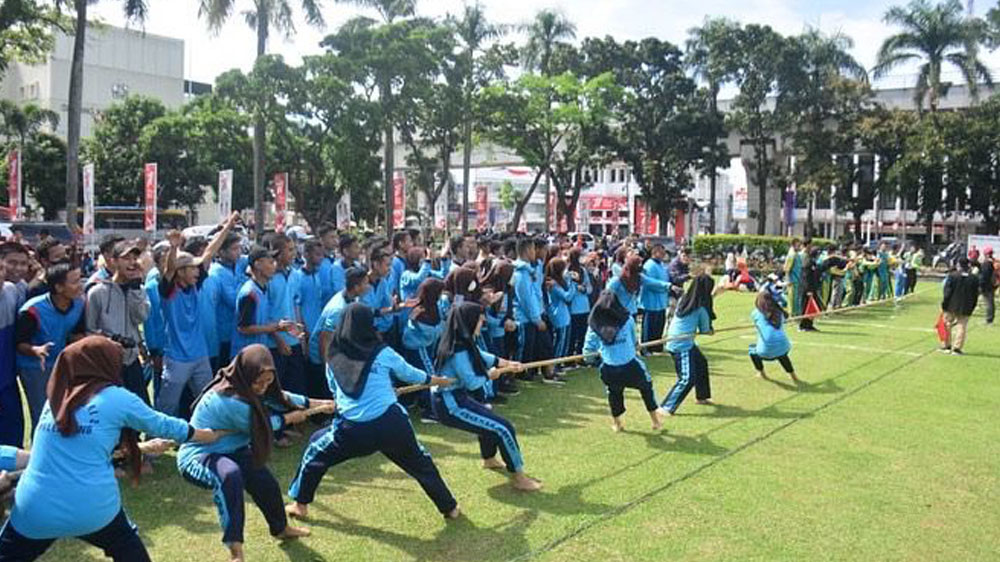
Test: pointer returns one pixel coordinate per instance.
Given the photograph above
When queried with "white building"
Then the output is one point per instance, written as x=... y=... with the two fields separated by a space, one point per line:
x=117 y=62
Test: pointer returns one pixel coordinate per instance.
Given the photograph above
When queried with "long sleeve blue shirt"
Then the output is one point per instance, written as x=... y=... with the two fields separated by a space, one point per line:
x=581 y=300
x=378 y=394
x=69 y=488
x=527 y=302
x=379 y=296
x=153 y=330
x=617 y=353
x=495 y=319
x=654 y=292
x=459 y=368
x=771 y=341
x=418 y=335
x=696 y=322
x=309 y=297
x=230 y=413
x=559 y=300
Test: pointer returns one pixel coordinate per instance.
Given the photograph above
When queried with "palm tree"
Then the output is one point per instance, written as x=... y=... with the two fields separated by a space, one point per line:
x=263 y=17
x=711 y=50
x=22 y=122
x=934 y=35
x=135 y=11
x=473 y=30
x=548 y=29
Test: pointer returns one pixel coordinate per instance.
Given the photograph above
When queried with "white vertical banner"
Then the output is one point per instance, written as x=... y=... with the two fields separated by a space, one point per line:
x=149 y=220
x=15 y=179
x=344 y=211
x=225 y=193
x=441 y=211
x=88 y=200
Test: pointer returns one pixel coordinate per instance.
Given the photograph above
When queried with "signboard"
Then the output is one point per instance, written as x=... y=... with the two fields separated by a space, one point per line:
x=981 y=242
x=88 y=199
x=344 y=211
x=441 y=211
x=14 y=182
x=741 y=202
x=399 y=200
x=482 y=206
x=225 y=193
x=150 y=217
x=280 y=200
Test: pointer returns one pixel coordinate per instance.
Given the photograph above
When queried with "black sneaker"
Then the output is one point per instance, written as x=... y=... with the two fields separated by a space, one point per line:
x=945 y=349
x=498 y=399
x=554 y=379
x=957 y=352
x=508 y=388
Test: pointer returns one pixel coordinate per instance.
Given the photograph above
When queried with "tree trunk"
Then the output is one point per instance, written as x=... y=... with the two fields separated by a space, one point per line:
x=809 y=216
x=712 y=176
x=523 y=202
x=761 y=153
x=466 y=169
x=74 y=114
x=259 y=138
x=929 y=243
x=388 y=160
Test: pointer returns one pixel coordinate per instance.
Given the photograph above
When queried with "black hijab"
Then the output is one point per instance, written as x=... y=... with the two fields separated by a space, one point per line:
x=607 y=317
x=460 y=335
x=353 y=349
x=699 y=294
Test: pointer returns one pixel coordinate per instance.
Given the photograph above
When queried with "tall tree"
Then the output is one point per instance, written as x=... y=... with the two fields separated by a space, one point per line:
x=828 y=93
x=545 y=32
x=933 y=35
x=135 y=10
x=20 y=123
x=711 y=54
x=382 y=51
x=760 y=67
x=264 y=17
x=479 y=66
x=26 y=30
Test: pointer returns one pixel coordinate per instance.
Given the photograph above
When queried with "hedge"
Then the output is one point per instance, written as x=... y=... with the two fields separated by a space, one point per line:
x=706 y=245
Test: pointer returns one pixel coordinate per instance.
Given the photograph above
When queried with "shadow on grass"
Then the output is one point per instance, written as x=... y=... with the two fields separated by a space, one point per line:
x=729 y=411
x=460 y=539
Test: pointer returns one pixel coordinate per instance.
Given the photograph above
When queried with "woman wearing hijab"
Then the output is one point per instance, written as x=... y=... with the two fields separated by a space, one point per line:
x=461 y=285
x=469 y=368
x=694 y=315
x=240 y=400
x=501 y=329
x=560 y=292
x=772 y=343
x=421 y=334
x=579 y=308
x=627 y=284
x=611 y=333
x=360 y=371
x=69 y=487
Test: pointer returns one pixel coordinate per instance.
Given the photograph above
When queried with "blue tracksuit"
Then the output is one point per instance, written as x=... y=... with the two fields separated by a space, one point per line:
x=309 y=298
x=454 y=406
x=228 y=282
x=371 y=422
x=226 y=467
x=69 y=488
x=377 y=298
x=690 y=364
x=281 y=303
x=558 y=313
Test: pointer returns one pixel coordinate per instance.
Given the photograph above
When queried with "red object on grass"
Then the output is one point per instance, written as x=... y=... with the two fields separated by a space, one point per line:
x=942 y=328
x=812 y=309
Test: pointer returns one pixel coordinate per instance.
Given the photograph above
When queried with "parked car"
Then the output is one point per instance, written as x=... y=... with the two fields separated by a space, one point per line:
x=947 y=256
x=586 y=239
x=30 y=230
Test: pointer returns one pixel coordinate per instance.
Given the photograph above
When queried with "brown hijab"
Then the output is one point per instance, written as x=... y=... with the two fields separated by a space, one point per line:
x=463 y=282
x=236 y=379
x=428 y=295
x=496 y=282
x=81 y=371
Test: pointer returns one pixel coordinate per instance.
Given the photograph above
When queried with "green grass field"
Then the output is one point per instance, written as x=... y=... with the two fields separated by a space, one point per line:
x=888 y=452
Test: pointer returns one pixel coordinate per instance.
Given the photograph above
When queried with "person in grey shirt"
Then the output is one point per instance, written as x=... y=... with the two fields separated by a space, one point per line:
x=116 y=307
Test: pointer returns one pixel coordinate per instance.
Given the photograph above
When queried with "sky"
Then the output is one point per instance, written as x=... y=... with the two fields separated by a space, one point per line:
x=207 y=54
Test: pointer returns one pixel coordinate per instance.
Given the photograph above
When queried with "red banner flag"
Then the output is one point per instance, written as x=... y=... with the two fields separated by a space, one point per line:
x=482 y=206
x=640 y=217
x=151 y=181
x=280 y=200
x=14 y=184
x=399 y=200
x=679 y=226
x=942 y=329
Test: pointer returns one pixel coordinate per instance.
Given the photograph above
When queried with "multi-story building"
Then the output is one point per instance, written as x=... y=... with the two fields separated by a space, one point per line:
x=117 y=63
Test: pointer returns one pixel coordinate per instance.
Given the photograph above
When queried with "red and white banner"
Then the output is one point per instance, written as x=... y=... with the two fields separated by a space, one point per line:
x=441 y=211
x=646 y=221
x=151 y=184
x=604 y=202
x=482 y=206
x=280 y=200
x=225 y=193
x=399 y=200
x=14 y=183
x=616 y=217
x=550 y=222
x=88 y=199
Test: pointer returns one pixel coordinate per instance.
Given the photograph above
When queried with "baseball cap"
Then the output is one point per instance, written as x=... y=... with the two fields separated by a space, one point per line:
x=126 y=247
x=258 y=252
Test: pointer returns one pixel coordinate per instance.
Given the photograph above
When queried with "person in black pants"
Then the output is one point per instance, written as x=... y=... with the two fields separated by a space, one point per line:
x=987 y=284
